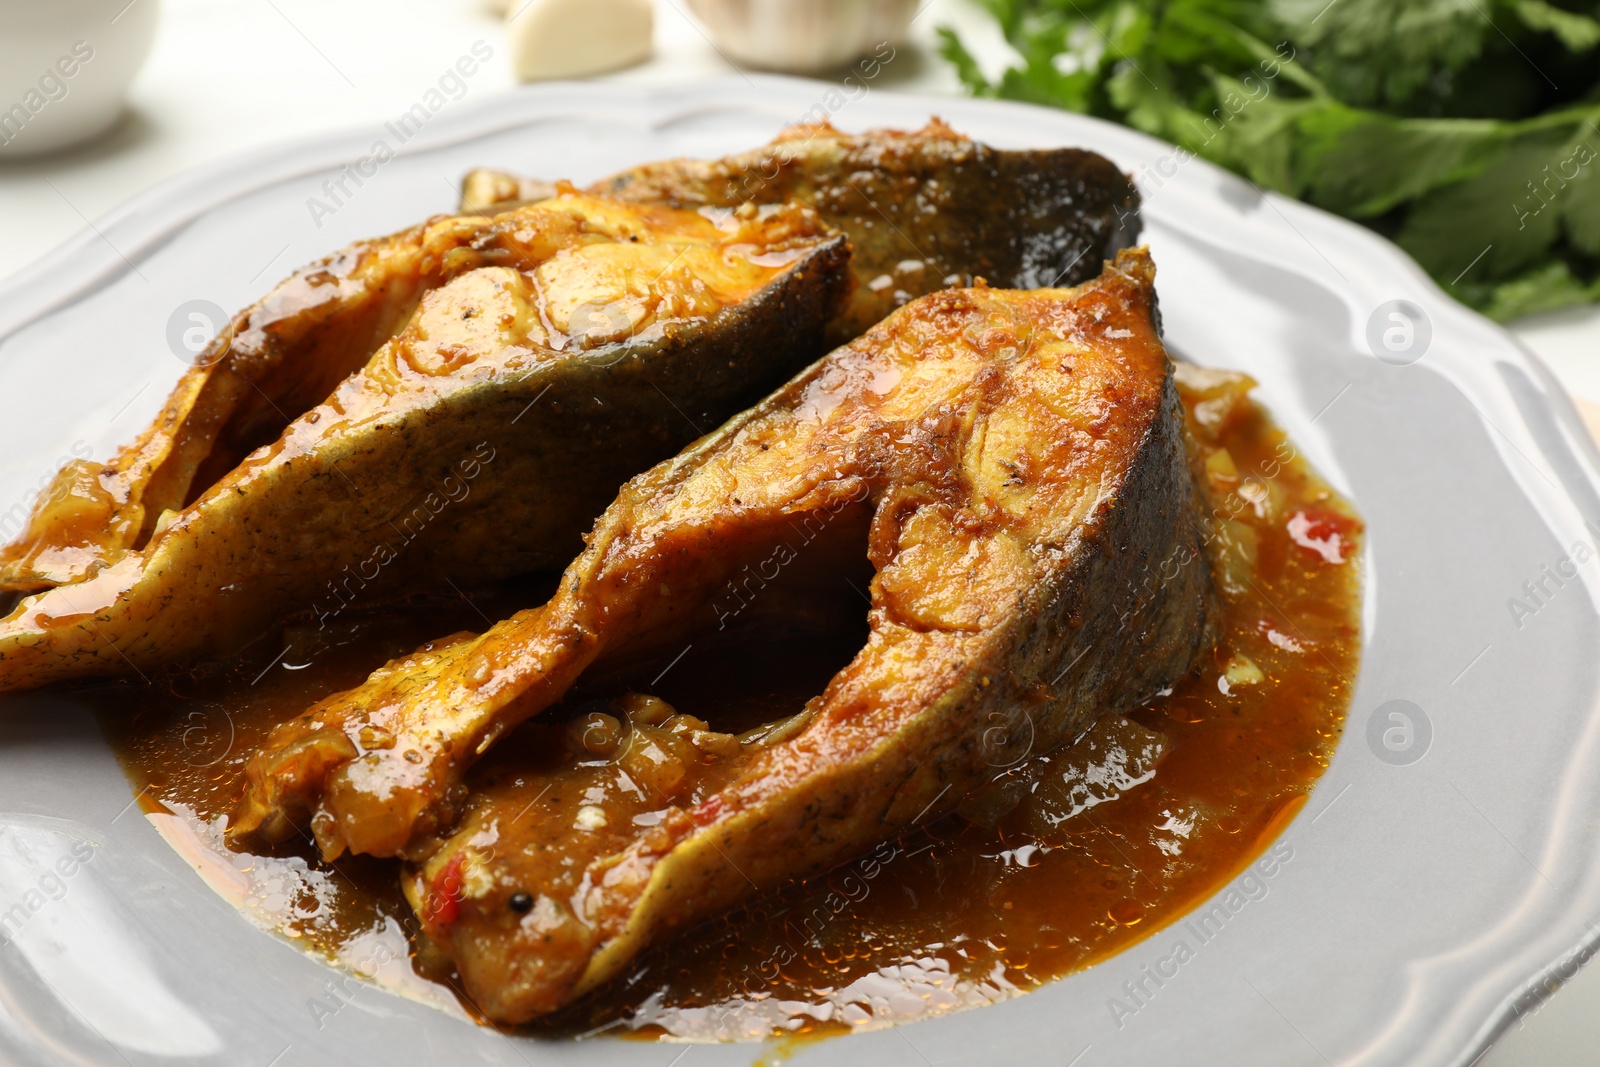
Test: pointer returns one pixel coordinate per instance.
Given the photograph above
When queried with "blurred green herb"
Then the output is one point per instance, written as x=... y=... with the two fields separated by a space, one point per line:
x=1468 y=131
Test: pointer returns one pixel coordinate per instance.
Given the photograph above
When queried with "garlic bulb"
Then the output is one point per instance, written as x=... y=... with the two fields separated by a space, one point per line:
x=802 y=35
x=576 y=38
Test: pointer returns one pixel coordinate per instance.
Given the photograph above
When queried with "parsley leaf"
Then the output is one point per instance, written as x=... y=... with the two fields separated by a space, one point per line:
x=1466 y=130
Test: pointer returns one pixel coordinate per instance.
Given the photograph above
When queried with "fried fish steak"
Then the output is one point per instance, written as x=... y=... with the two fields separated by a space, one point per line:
x=924 y=210
x=454 y=403
x=1012 y=465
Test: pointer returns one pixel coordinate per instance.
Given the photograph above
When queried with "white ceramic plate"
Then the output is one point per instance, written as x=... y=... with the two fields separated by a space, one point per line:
x=1443 y=868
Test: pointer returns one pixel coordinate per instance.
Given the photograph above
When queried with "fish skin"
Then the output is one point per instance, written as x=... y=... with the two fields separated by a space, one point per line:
x=1018 y=219
x=1013 y=462
x=290 y=349
x=421 y=453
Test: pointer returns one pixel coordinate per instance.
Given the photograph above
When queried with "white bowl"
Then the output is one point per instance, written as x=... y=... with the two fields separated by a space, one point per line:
x=65 y=66
x=804 y=35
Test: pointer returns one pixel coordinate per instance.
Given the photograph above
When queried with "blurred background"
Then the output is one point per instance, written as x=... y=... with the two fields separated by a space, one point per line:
x=1446 y=126
x=176 y=83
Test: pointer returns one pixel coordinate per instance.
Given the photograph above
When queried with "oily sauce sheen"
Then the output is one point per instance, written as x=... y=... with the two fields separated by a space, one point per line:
x=1065 y=859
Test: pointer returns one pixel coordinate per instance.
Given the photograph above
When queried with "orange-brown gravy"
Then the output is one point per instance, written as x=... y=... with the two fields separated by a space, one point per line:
x=1071 y=856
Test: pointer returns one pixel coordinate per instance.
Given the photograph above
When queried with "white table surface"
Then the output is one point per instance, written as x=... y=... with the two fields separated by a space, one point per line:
x=228 y=76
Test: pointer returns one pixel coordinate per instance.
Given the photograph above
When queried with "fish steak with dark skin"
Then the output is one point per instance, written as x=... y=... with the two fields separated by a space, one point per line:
x=924 y=209
x=1012 y=466
x=440 y=408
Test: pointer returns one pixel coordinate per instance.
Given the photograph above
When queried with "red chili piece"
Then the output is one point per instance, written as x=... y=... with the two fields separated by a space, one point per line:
x=1326 y=533
x=444 y=895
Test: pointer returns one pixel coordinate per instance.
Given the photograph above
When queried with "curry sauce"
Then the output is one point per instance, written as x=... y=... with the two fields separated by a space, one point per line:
x=1064 y=859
